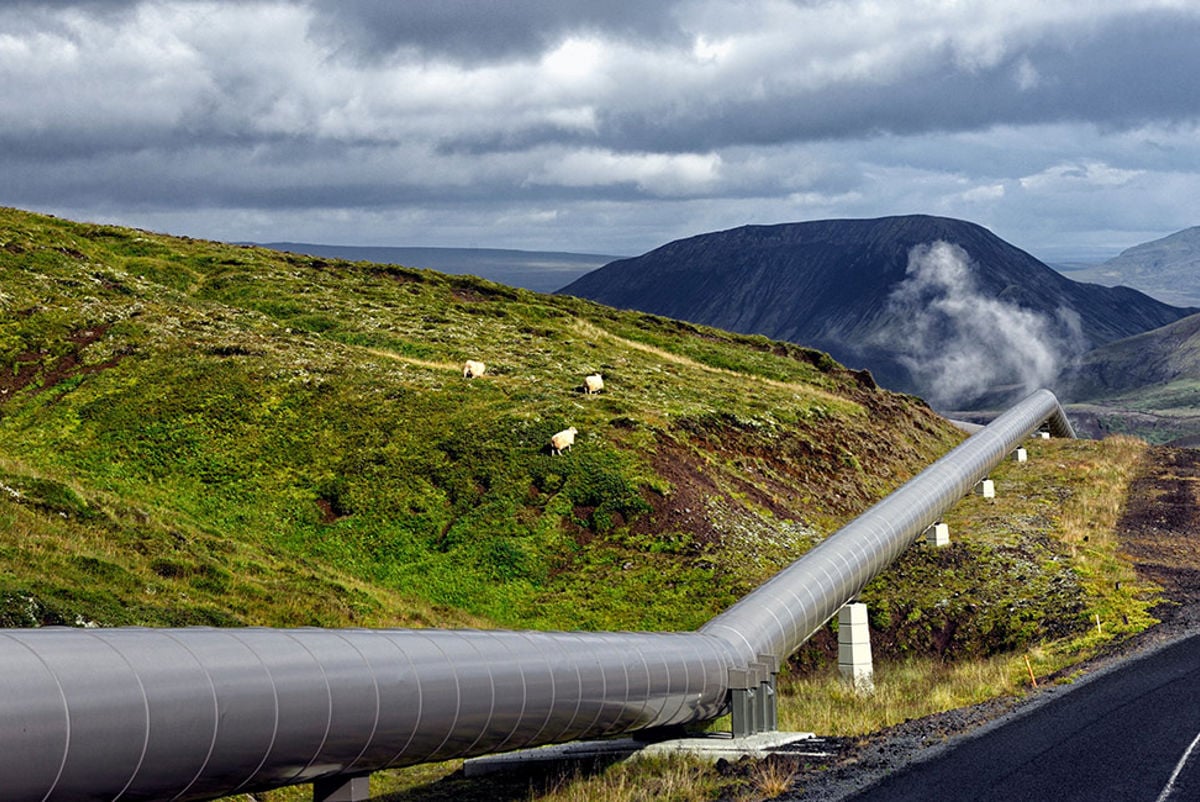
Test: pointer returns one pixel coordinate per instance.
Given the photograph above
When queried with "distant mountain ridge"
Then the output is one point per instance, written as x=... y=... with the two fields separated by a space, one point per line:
x=1167 y=268
x=540 y=271
x=852 y=288
x=1154 y=358
x=1148 y=385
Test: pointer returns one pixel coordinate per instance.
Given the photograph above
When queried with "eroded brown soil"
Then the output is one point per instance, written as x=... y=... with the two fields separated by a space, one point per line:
x=36 y=367
x=1160 y=529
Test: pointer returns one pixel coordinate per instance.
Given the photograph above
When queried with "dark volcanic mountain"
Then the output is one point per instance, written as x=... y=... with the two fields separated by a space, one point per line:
x=933 y=305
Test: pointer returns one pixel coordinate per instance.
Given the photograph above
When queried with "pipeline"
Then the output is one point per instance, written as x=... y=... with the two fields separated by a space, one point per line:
x=199 y=713
x=785 y=610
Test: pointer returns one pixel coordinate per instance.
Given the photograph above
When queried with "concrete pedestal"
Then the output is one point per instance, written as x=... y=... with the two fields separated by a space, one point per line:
x=854 y=648
x=343 y=789
x=938 y=535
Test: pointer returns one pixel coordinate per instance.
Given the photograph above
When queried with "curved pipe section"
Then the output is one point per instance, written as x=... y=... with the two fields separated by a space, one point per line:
x=197 y=713
x=787 y=609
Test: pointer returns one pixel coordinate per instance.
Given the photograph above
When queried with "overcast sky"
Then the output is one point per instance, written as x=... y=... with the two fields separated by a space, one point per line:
x=605 y=126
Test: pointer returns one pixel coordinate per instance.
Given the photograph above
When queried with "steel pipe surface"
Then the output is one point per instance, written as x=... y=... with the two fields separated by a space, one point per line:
x=787 y=609
x=197 y=713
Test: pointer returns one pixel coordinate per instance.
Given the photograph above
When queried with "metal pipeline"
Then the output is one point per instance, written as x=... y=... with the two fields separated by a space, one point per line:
x=788 y=608
x=197 y=713
x=141 y=714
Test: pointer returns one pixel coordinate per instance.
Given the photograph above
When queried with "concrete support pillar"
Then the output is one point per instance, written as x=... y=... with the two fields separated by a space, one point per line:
x=768 y=708
x=854 y=648
x=987 y=488
x=343 y=789
x=743 y=700
x=1043 y=435
x=938 y=534
x=1021 y=455
x=752 y=701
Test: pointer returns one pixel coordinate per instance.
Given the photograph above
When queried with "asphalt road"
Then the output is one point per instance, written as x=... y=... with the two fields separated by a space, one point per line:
x=1129 y=734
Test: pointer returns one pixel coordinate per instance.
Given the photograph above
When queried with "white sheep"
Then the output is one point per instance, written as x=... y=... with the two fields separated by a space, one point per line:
x=563 y=440
x=593 y=383
x=472 y=369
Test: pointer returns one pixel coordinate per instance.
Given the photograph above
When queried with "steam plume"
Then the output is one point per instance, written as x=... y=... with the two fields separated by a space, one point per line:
x=960 y=344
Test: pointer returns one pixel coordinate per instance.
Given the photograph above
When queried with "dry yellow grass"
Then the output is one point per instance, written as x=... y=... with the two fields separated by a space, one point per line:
x=769 y=779
x=666 y=779
x=1090 y=515
x=822 y=702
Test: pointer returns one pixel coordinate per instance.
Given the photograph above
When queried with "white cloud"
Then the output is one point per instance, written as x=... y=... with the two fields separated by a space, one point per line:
x=654 y=173
x=574 y=60
x=1078 y=175
x=711 y=51
x=990 y=192
x=1026 y=75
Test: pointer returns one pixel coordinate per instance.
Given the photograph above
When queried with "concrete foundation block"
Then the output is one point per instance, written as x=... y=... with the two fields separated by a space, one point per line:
x=711 y=747
x=938 y=535
x=987 y=488
x=1021 y=455
x=343 y=789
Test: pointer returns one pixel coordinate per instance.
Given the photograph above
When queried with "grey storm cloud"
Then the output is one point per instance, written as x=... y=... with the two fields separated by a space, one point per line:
x=468 y=31
x=1121 y=70
x=535 y=121
x=1129 y=71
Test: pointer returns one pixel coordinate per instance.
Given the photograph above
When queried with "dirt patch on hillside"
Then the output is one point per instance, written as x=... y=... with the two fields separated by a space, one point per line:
x=37 y=368
x=1160 y=529
x=684 y=509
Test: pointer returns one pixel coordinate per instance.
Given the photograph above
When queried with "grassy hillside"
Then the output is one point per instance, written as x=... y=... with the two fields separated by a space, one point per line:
x=193 y=432
x=1148 y=385
x=198 y=433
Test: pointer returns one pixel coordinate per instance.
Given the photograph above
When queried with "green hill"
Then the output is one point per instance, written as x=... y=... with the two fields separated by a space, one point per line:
x=193 y=432
x=1148 y=385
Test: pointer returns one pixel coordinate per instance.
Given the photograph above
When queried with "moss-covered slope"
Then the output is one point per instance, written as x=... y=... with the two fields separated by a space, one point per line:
x=193 y=432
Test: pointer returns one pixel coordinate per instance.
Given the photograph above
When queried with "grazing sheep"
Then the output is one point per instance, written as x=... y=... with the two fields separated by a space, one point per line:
x=472 y=369
x=593 y=383
x=563 y=440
